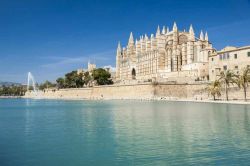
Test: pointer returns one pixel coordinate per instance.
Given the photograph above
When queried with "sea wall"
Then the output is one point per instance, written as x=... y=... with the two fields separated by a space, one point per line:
x=235 y=93
x=100 y=92
x=140 y=91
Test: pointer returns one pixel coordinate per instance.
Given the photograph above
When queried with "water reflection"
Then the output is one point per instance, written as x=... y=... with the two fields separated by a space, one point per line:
x=124 y=133
x=183 y=132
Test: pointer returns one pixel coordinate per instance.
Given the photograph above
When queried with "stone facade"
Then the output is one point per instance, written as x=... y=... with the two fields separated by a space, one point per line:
x=229 y=58
x=91 y=67
x=167 y=55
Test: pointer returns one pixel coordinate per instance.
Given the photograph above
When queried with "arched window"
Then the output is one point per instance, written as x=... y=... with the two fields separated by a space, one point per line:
x=133 y=74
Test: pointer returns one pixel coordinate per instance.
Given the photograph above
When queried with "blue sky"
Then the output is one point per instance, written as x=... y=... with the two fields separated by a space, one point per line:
x=52 y=37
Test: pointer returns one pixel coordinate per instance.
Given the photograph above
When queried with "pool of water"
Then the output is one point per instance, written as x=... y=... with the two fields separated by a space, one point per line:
x=53 y=132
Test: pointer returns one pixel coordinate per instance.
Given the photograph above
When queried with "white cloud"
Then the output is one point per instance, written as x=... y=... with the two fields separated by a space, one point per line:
x=66 y=61
x=63 y=61
x=112 y=69
x=228 y=25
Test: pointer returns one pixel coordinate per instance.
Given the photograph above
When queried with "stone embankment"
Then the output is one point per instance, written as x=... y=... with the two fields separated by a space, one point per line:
x=139 y=91
x=147 y=91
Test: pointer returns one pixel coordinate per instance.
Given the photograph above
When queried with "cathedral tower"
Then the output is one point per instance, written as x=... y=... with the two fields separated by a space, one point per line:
x=118 y=60
x=131 y=48
x=190 y=45
x=161 y=49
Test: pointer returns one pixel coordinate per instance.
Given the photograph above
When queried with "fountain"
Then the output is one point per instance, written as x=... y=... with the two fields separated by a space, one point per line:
x=31 y=79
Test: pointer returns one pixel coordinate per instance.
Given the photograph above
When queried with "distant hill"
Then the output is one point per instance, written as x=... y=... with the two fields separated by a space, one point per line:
x=4 y=83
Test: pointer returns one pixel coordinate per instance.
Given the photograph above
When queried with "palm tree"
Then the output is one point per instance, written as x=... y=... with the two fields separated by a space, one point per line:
x=227 y=77
x=243 y=80
x=214 y=88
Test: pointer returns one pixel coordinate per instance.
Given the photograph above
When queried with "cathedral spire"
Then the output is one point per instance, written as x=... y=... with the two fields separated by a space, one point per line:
x=142 y=37
x=163 y=30
x=152 y=36
x=201 y=35
x=158 y=32
x=136 y=45
x=119 y=47
x=191 y=30
x=167 y=30
x=131 y=38
x=174 y=27
x=206 y=36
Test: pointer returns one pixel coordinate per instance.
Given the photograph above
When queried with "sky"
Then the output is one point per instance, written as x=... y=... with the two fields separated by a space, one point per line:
x=52 y=37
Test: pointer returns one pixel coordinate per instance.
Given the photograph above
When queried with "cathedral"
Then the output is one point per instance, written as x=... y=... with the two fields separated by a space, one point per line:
x=169 y=55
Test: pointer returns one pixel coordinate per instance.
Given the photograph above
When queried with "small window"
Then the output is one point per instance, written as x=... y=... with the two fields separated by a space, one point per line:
x=220 y=57
x=228 y=56
x=236 y=67
x=248 y=54
x=212 y=59
x=235 y=56
x=212 y=71
x=248 y=66
x=225 y=67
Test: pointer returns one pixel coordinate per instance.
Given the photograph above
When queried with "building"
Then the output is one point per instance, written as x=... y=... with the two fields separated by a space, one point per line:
x=169 y=55
x=91 y=67
x=229 y=58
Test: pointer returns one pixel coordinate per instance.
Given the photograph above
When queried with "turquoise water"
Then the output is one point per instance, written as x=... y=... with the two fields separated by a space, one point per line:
x=43 y=132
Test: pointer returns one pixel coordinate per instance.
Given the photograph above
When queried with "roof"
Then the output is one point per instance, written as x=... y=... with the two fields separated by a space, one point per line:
x=230 y=49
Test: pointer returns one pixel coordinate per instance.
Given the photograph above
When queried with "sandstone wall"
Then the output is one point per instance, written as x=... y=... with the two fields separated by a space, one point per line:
x=235 y=93
x=100 y=92
x=141 y=91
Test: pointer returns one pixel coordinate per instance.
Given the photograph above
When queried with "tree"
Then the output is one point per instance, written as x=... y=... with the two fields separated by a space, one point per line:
x=102 y=77
x=214 y=89
x=47 y=84
x=79 y=80
x=227 y=78
x=13 y=90
x=87 y=78
x=74 y=80
x=60 y=82
x=70 y=79
x=243 y=80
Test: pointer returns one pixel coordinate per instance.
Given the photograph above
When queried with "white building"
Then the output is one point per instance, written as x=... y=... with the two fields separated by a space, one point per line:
x=168 y=55
x=229 y=58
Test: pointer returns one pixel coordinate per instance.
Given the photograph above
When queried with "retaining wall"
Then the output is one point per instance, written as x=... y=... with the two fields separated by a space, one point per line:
x=139 y=91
